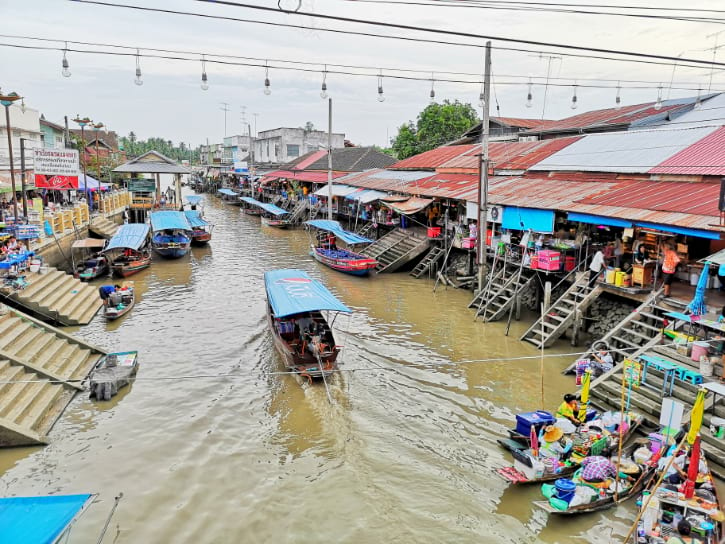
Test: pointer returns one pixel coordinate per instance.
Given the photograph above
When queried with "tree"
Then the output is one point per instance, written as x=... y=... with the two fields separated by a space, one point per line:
x=309 y=127
x=436 y=125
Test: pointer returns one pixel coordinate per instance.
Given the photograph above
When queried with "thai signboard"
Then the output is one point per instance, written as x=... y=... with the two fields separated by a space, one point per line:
x=56 y=168
x=142 y=185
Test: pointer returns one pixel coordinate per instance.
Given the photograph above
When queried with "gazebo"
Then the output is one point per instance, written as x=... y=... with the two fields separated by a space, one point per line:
x=155 y=163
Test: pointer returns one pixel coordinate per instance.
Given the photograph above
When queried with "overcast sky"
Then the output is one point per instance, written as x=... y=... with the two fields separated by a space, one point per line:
x=170 y=104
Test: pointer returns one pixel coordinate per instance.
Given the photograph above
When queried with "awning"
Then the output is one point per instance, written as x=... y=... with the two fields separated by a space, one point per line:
x=716 y=258
x=335 y=228
x=291 y=292
x=89 y=243
x=271 y=208
x=338 y=189
x=395 y=198
x=194 y=199
x=528 y=218
x=366 y=195
x=598 y=220
x=250 y=200
x=681 y=230
x=195 y=219
x=411 y=206
x=227 y=192
x=34 y=520
x=169 y=220
x=129 y=236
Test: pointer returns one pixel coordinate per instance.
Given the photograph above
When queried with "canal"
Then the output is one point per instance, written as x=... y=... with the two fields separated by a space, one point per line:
x=211 y=446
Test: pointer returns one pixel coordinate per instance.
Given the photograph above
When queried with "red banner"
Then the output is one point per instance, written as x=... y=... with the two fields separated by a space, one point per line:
x=43 y=181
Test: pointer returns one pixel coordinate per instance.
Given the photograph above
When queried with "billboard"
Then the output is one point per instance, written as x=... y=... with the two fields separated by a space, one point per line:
x=241 y=167
x=56 y=168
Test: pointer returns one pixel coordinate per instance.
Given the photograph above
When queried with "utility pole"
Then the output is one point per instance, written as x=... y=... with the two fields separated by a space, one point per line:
x=483 y=172
x=714 y=50
x=251 y=152
x=329 y=159
x=548 y=74
x=225 y=108
x=22 y=176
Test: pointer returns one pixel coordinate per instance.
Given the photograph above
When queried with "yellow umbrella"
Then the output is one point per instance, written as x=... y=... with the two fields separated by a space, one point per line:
x=698 y=409
x=584 y=402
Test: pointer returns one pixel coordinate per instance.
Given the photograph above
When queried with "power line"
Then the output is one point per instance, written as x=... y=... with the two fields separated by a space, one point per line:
x=641 y=56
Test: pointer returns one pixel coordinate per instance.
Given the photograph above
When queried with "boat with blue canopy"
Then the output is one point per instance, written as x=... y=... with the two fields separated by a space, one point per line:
x=325 y=249
x=229 y=196
x=200 y=227
x=41 y=519
x=128 y=251
x=171 y=234
x=194 y=200
x=251 y=206
x=274 y=216
x=302 y=335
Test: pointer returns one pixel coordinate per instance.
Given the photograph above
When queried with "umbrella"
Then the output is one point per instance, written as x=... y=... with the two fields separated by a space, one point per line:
x=693 y=469
x=533 y=437
x=697 y=306
x=698 y=409
x=584 y=401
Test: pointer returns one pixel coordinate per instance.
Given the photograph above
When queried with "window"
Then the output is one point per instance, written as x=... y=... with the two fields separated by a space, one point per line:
x=293 y=150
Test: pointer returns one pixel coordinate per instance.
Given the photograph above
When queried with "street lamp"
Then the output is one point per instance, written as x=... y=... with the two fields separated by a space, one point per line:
x=7 y=101
x=97 y=127
x=83 y=122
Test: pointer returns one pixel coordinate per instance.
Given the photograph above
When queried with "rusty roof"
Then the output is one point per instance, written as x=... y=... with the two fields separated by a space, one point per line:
x=706 y=157
x=519 y=122
x=543 y=192
x=430 y=160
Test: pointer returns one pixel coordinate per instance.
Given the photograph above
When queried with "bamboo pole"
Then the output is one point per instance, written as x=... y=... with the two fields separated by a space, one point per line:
x=621 y=437
x=541 y=364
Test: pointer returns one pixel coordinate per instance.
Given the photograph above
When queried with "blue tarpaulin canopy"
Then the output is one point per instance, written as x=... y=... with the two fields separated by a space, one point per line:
x=271 y=208
x=710 y=235
x=38 y=520
x=335 y=228
x=250 y=200
x=193 y=199
x=131 y=236
x=169 y=220
x=228 y=192
x=292 y=292
x=194 y=219
x=598 y=220
x=528 y=218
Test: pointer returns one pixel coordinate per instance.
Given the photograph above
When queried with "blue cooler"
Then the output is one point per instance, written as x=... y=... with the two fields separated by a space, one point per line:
x=539 y=419
x=565 y=489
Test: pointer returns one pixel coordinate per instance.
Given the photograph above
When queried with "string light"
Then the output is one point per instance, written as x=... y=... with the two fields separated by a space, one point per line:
x=618 y=98
x=381 y=96
x=22 y=105
x=267 y=89
x=66 y=66
x=323 y=94
x=530 y=96
x=138 y=81
x=658 y=104
x=573 y=98
x=204 y=79
x=698 y=100
x=432 y=88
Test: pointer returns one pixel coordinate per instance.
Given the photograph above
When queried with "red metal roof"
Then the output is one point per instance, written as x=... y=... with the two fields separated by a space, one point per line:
x=453 y=186
x=315 y=156
x=706 y=156
x=432 y=159
x=313 y=177
x=546 y=193
x=519 y=122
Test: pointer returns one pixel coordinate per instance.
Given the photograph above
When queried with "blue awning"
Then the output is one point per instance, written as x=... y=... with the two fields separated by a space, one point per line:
x=250 y=200
x=131 y=236
x=194 y=219
x=194 y=199
x=527 y=218
x=599 y=220
x=38 y=520
x=681 y=230
x=335 y=228
x=169 y=220
x=227 y=192
x=271 y=208
x=291 y=292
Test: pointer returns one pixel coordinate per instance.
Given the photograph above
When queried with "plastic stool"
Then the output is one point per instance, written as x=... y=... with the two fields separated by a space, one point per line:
x=695 y=378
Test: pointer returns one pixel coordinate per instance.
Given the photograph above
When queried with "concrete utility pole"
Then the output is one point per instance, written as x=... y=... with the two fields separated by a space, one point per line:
x=483 y=172
x=329 y=159
x=22 y=178
x=225 y=108
x=251 y=151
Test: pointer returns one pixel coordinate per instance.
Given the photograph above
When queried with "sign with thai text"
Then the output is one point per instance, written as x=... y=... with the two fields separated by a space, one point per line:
x=55 y=168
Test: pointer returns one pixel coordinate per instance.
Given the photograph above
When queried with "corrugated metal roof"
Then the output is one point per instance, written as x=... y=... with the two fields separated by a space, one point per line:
x=384 y=180
x=309 y=159
x=704 y=222
x=510 y=155
x=706 y=156
x=546 y=193
x=624 y=152
x=519 y=122
x=434 y=158
x=453 y=186
x=312 y=177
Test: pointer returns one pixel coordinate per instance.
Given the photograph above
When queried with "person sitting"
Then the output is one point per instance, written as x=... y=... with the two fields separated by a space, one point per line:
x=684 y=530
x=640 y=256
x=603 y=362
x=597 y=469
x=553 y=443
x=569 y=409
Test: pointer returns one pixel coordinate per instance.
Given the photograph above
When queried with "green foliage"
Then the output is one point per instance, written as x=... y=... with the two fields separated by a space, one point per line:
x=135 y=147
x=437 y=124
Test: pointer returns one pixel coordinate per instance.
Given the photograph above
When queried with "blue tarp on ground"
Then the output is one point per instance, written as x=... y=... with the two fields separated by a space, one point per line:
x=38 y=520
x=599 y=220
x=528 y=218
x=169 y=220
x=227 y=192
x=271 y=208
x=194 y=199
x=132 y=236
x=194 y=219
x=335 y=228
x=291 y=292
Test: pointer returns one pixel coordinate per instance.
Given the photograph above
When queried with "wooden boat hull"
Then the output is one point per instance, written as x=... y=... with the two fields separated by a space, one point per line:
x=200 y=237
x=277 y=223
x=347 y=262
x=96 y=272
x=171 y=247
x=253 y=211
x=111 y=313
x=128 y=268
x=112 y=372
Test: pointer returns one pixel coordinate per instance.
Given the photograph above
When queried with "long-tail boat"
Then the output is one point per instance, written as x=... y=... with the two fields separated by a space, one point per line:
x=200 y=228
x=229 y=197
x=302 y=335
x=343 y=260
x=171 y=234
x=251 y=205
x=128 y=251
x=274 y=216
x=91 y=263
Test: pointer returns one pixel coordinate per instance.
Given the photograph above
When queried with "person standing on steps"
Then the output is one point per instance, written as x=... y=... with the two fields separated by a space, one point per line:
x=595 y=267
x=669 y=267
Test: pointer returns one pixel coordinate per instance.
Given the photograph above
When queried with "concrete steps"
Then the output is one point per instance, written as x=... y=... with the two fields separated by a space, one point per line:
x=103 y=227
x=38 y=361
x=58 y=297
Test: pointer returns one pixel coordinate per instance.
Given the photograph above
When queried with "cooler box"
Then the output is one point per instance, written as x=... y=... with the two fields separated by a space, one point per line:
x=534 y=262
x=539 y=418
x=569 y=263
x=434 y=232
x=549 y=260
x=468 y=243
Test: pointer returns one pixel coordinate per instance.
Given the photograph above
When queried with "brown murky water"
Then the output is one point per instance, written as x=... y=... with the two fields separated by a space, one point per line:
x=405 y=454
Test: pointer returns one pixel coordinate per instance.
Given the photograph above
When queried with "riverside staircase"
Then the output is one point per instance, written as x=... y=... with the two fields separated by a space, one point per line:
x=428 y=262
x=103 y=227
x=367 y=230
x=561 y=315
x=56 y=296
x=396 y=249
x=298 y=212
x=501 y=292
x=41 y=370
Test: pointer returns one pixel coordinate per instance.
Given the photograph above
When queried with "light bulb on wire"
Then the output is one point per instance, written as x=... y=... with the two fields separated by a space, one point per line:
x=204 y=80
x=66 y=66
x=267 y=89
x=432 y=93
x=482 y=100
x=323 y=92
x=658 y=104
x=138 y=81
x=618 y=98
x=574 y=104
x=530 y=96
x=698 y=100
x=381 y=96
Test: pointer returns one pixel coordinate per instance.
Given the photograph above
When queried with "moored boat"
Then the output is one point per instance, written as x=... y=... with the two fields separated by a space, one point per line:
x=229 y=197
x=325 y=251
x=112 y=372
x=119 y=303
x=251 y=206
x=128 y=250
x=44 y=518
x=302 y=335
x=171 y=234
x=88 y=261
x=200 y=228
x=274 y=216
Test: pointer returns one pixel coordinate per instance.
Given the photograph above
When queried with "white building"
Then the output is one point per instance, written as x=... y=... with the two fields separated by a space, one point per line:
x=282 y=145
x=23 y=124
x=236 y=148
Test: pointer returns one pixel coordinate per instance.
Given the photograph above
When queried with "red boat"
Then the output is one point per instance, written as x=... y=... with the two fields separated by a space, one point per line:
x=342 y=260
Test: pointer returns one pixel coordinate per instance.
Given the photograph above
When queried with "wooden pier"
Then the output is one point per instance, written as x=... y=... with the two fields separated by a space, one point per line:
x=396 y=249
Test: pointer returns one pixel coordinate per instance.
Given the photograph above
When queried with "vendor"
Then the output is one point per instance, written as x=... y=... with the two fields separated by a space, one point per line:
x=684 y=530
x=569 y=409
x=603 y=362
x=597 y=469
x=640 y=256
x=553 y=443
